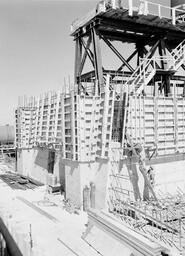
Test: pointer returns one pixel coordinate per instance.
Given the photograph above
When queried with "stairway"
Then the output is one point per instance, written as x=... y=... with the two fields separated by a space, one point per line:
x=147 y=68
x=142 y=75
x=179 y=55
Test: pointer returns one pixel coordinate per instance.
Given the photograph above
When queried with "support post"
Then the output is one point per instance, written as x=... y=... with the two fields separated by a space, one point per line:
x=97 y=61
x=78 y=56
x=173 y=16
x=130 y=7
x=105 y=115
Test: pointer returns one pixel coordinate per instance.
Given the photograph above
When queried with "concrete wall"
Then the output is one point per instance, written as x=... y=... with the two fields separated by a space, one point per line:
x=73 y=175
x=79 y=175
x=169 y=177
x=59 y=169
x=34 y=163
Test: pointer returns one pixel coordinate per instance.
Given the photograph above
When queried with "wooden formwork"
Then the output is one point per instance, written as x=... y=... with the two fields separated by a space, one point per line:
x=157 y=121
x=48 y=120
x=87 y=127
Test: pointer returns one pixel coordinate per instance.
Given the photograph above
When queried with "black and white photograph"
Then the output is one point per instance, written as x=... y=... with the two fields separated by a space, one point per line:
x=92 y=127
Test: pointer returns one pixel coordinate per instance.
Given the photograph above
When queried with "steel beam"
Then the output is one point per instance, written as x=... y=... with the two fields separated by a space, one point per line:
x=117 y=53
x=78 y=55
x=97 y=61
x=85 y=55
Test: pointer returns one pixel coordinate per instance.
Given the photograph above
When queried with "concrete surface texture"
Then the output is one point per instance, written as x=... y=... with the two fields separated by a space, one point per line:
x=42 y=227
x=79 y=175
x=35 y=163
x=111 y=237
x=169 y=177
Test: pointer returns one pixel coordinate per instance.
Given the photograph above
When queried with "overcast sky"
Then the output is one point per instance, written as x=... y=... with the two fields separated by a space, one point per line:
x=36 y=50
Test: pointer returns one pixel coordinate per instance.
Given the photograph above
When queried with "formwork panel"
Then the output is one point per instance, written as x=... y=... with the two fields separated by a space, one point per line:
x=161 y=122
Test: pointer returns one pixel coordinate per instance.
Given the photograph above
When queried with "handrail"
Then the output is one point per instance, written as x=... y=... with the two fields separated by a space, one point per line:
x=178 y=48
x=143 y=8
x=143 y=68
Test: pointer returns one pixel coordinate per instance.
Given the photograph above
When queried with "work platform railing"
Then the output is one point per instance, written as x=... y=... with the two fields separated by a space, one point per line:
x=143 y=7
x=138 y=7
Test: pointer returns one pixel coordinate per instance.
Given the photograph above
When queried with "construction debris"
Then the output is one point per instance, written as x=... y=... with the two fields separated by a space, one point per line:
x=18 y=181
x=70 y=207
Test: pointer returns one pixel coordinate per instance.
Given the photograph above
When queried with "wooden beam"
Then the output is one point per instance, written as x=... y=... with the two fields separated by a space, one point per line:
x=105 y=115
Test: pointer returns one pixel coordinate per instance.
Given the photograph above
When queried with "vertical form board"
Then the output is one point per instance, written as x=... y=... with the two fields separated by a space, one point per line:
x=166 y=126
x=92 y=128
x=79 y=127
x=76 y=125
x=81 y=119
x=69 y=126
x=48 y=115
x=73 y=128
x=135 y=119
x=109 y=122
x=181 y=124
x=36 y=120
x=41 y=110
x=32 y=126
x=105 y=115
x=88 y=127
x=56 y=123
x=92 y=142
x=161 y=123
x=63 y=125
x=106 y=120
x=175 y=122
x=156 y=120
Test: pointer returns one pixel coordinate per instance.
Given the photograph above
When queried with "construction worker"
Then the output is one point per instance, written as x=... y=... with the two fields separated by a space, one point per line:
x=138 y=151
x=150 y=176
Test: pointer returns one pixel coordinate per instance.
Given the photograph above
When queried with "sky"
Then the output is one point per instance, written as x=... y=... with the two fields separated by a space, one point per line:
x=36 y=49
